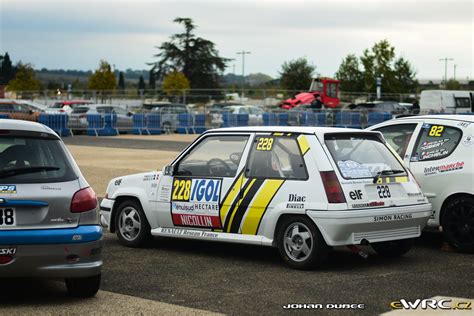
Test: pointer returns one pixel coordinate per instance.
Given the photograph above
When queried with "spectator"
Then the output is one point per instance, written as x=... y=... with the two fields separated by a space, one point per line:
x=416 y=107
x=317 y=104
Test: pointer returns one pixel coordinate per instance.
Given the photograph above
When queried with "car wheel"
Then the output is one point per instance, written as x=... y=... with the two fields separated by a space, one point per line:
x=300 y=243
x=457 y=219
x=131 y=225
x=83 y=287
x=393 y=248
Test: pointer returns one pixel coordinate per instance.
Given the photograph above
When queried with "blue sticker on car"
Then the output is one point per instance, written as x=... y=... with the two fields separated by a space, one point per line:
x=8 y=189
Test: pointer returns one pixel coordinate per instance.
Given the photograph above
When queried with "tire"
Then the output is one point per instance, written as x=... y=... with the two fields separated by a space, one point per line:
x=83 y=287
x=457 y=219
x=294 y=235
x=131 y=225
x=394 y=248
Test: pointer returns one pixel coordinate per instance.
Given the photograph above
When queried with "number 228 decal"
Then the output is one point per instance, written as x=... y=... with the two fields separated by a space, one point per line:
x=383 y=191
x=265 y=143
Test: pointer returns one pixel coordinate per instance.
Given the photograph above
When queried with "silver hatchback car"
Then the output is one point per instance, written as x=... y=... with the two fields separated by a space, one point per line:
x=48 y=212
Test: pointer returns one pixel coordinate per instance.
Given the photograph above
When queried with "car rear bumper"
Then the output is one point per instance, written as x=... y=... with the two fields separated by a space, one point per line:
x=372 y=225
x=43 y=257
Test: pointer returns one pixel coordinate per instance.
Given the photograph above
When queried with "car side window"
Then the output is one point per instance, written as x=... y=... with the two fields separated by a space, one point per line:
x=276 y=157
x=398 y=136
x=6 y=107
x=436 y=142
x=214 y=156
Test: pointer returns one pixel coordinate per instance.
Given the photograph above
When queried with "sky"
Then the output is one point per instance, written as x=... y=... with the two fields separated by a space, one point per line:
x=78 y=34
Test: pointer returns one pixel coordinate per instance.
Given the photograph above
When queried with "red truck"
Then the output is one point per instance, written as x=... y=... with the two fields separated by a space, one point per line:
x=327 y=88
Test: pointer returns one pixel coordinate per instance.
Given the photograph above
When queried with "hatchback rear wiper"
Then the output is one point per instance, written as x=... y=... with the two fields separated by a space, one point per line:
x=386 y=173
x=16 y=171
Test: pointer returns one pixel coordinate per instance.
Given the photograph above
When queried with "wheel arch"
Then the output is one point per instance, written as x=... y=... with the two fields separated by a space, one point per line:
x=119 y=200
x=284 y=216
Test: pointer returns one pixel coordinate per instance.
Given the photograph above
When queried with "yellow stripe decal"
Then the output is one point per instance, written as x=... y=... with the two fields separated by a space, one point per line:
x=303 y=143
x=401 y=179
x=234 y=191
x=259 y=206
x=238 y=203
x=278 y=134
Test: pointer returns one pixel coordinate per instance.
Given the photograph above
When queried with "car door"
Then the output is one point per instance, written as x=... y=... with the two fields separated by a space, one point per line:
x=273 y=160
x=431 y=159
x=205 y=181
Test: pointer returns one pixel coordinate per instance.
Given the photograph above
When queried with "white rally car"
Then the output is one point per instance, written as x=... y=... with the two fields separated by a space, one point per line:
x=439 y=151
x=300 y=189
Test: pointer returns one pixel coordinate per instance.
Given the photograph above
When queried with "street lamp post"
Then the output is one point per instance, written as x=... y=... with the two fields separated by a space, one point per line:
x=243 y=53
x=446 y=59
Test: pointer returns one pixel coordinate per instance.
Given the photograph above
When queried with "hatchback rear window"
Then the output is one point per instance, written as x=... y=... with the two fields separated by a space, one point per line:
x=33 y=160
x=362 y=156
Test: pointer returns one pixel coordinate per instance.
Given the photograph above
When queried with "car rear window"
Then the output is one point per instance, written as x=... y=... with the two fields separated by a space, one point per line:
x=80 y=110
x=33 y=160
x=362 y=156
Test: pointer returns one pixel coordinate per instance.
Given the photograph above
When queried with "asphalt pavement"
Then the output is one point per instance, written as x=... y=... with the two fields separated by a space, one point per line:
x=241 y=279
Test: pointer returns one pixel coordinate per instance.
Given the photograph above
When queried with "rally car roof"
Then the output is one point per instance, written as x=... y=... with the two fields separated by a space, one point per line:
x=286 y=129
x=451 y=117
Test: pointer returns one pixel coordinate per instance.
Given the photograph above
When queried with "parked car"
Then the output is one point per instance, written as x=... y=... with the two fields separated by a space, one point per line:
x=255 y=113
x=300 y=189
x=67 y=106
x=78 y=117
x=169 y=115
x=439 y=151
x=18 y=111
x=393 y=107
x=48 y=212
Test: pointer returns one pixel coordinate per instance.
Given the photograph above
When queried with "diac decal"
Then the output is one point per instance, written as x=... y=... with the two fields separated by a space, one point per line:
x=195 y=202
x=7 y=189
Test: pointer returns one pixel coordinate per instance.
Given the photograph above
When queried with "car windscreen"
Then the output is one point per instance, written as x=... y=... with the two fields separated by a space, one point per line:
x=362 y=156
x=33 y=160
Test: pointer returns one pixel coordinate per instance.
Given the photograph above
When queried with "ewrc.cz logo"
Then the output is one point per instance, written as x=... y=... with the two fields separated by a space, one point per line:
x=445 y=304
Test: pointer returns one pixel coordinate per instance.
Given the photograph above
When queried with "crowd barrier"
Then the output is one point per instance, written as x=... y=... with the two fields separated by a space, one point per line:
x=185 y=123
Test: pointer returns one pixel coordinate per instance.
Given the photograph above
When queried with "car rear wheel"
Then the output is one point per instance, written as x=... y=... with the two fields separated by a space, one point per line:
x=83 y=287
x=300 y=243
x=131 y=225
x=457 y=219
x=393 y=248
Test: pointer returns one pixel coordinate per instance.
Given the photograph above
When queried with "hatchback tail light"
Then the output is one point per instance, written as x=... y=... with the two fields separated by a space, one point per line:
x=84 y=200
x=333 y=187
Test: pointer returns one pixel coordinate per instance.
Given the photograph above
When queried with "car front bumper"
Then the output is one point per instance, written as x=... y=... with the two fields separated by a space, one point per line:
x=354 y=227
x=38 y=255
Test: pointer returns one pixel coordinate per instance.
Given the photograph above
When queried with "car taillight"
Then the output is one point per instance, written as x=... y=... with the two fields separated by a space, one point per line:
x=5 y=259
x=84 y=200
x=333 y=187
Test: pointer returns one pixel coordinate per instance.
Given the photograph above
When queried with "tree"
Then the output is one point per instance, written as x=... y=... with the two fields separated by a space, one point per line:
x=121 y=83
x=141 y=85
x=196 y=57
x=7 y=71
x=350 y=75
x=151 y=80
x=25 y=79
x=175 y=83
x=453 y=85
x=102 y=79
x=296 y=74
x=397 y=75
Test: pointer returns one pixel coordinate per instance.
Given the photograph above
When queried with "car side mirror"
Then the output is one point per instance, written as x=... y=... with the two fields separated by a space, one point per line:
x=168 y=170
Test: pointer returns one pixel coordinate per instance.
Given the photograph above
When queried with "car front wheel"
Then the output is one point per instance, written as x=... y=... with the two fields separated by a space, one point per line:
x=83 y=287
x=300 y=243
x=131 y=225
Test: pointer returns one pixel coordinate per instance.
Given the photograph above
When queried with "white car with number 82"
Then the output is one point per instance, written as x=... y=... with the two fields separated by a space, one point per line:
x=299 y=189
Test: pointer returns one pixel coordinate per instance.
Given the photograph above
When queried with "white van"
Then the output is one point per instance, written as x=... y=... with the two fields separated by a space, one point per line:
x=448 y=101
